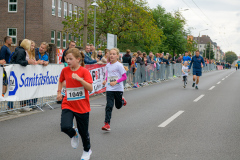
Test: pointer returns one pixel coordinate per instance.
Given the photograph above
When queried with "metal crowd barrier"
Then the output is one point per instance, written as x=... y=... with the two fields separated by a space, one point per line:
x=143 y=74
x=161 y=72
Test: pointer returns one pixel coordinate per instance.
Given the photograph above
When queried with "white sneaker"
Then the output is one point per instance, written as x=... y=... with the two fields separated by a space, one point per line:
x=86 y=155
x=13 y=112
x=75 y=140
x=26 y=109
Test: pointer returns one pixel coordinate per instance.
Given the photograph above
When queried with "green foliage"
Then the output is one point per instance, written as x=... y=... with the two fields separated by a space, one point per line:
x=131 y=21
x=230 y=57
x=175 y=37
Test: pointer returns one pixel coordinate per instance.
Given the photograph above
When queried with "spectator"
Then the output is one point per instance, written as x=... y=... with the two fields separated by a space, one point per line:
x=99 y=56
x=179 y=60
x=5 y=51
x=174 y=58
x=105 y=58
x=145 y=58
x=150 y=58
x=94 y=54
x=41 y=54
x=163 y=60
x=87 y=58
x=19 y=43
x=140 y=58
x=72 y=44
x=127 y=57
x=31 y=53
x=20 y=55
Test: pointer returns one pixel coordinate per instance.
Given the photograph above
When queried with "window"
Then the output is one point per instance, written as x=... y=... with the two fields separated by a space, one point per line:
x=69 y=37
x=53 y=37
x=65 y=9
x=59 y=39
x=64 y=40
x=12 y=32
x=75 y=39
x=53 y=7
x=75 y=12
x=12 y=5
x=70 y=10
x=59 y=8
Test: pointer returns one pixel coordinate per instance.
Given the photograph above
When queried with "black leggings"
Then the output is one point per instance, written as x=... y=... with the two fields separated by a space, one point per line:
x=82 y=125
x=111 y=96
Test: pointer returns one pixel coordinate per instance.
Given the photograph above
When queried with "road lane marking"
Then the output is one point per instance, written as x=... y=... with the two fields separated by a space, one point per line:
x=211 y=88
x=197 y=99
x=219 y=82
x=223 y=79
x=169 y=120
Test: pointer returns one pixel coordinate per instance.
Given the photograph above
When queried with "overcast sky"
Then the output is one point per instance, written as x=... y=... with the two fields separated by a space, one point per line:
x=220 y=17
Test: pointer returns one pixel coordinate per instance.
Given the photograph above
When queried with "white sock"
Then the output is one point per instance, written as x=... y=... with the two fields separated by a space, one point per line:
x=196 y=84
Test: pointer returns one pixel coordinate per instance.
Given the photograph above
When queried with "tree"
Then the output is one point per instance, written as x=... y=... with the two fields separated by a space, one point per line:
x=230 y=57
x=175 y=37
x=207 y=52
x=131 y=20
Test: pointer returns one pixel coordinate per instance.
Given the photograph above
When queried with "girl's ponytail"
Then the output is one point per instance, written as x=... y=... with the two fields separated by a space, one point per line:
x=82 y=58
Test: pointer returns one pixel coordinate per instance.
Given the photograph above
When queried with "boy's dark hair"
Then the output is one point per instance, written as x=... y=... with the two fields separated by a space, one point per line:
x=6 y=38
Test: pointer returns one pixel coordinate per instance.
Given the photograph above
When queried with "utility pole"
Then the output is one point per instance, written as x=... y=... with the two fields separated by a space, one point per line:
x=85 y=25
x=209 y=49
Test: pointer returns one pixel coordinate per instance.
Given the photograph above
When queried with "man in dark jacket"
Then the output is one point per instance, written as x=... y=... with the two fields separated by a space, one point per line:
x=19 y=57
x=127 y=57
x=72 y=44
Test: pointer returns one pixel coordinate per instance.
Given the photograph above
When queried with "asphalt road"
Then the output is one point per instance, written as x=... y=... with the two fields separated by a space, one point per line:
x=160 y=122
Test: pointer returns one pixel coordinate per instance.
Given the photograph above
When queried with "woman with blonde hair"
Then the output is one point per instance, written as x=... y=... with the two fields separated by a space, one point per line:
x=20 y=56
x=32 y=51
x=105 y=58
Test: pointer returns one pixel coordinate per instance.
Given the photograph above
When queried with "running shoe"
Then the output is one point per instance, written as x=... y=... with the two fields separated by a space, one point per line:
x=184 y=86
x=196 y=87
x=75 y=140
x=86 y=155
x=193 y=85
x=125 y=102
x=106 y=127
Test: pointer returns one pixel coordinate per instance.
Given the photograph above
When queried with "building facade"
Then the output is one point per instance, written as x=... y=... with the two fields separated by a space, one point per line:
x=202 y=43
x=38 y=20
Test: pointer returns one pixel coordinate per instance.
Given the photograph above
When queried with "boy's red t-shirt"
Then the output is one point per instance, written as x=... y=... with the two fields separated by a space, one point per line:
x=78 y=106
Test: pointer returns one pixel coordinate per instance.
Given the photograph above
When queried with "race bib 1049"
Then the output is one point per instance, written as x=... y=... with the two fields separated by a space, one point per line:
x=74 y=94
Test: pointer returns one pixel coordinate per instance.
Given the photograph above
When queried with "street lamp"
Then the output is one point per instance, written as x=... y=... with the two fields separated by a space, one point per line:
x=199 y=37
x=95 y=6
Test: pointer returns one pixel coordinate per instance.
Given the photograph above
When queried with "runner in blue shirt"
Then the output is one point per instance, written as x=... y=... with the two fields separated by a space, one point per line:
x=198 y=63
x=186 y=58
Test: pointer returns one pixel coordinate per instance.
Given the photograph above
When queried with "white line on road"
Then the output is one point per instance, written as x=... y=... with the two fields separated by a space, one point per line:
x=197 y=99
x=223 y=79
x=219 y=82
x=169 y=120
x=211 y=88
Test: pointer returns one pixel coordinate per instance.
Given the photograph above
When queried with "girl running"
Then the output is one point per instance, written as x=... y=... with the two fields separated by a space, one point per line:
x=115 y=75
x=76 y=102
x=185 y=73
